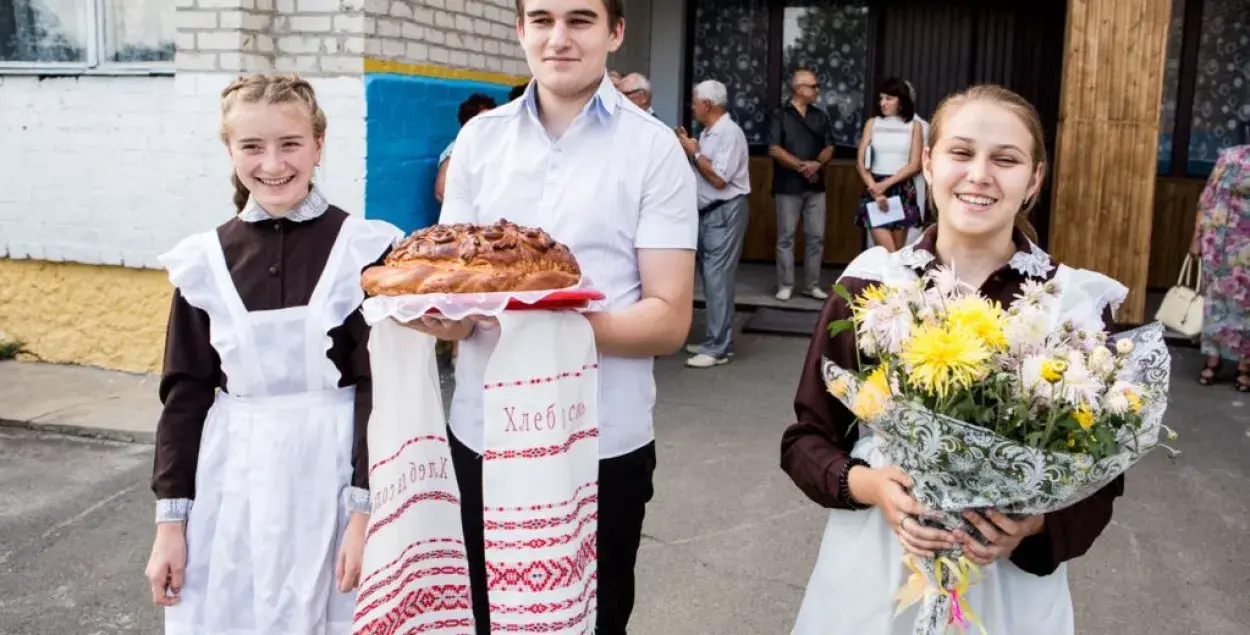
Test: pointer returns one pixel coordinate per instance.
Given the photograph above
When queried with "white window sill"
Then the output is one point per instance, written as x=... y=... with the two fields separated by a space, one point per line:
x=99 y=71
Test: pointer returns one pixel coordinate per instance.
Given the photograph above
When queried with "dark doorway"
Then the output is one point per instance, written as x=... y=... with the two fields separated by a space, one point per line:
x=943 y=47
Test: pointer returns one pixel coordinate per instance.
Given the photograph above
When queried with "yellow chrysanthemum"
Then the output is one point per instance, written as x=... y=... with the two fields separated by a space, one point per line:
x=1134 y=401
x=870 y=402
x=1052 y=371
x=982 y=317
x=838 y=387
x=941 y=359
x=870 y=297
x=1084 y=416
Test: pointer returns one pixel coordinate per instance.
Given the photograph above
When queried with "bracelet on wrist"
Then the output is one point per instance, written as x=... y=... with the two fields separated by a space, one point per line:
x=844 y=484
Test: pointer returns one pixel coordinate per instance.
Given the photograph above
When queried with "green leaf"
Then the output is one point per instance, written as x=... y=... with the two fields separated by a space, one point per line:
x=837 y=326
x=842 y=292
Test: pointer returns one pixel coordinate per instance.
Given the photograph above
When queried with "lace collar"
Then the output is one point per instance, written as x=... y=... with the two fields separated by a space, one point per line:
x=313 y=205
x=1029 y=259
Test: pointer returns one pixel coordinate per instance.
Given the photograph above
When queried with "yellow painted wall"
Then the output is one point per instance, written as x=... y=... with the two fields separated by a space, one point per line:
x=111 y=317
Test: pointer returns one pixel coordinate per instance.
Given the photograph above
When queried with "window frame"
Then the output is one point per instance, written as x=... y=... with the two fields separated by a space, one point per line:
x=774 y=81
x=94 y=62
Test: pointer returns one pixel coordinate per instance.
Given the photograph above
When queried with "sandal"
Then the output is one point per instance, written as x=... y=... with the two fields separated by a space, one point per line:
x=1210 y=373
x=1243 y=379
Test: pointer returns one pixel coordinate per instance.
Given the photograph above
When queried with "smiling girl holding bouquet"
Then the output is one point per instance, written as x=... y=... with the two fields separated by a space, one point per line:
x=985 y=165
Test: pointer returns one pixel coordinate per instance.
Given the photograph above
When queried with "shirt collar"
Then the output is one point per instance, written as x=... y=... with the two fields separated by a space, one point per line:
x=1029 y=260
x=710 y=129
x=313 y=205
x=603 y=106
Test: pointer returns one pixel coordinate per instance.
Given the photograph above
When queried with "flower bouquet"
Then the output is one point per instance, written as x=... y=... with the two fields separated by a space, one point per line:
x=1026 y=409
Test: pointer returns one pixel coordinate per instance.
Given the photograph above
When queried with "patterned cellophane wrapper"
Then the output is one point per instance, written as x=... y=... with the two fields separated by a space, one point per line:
x=957 y=466
x=455 y=306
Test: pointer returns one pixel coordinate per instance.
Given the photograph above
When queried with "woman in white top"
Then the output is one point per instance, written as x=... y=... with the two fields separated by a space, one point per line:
x=889 y=158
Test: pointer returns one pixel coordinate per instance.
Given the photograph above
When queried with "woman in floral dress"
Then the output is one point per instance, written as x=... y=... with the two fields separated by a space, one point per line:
x=1222 y=241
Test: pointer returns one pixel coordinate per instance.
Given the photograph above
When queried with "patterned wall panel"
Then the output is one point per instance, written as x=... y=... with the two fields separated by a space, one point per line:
x=731 y=46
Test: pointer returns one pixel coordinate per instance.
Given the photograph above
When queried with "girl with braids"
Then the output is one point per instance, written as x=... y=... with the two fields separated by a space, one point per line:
x=261 y=469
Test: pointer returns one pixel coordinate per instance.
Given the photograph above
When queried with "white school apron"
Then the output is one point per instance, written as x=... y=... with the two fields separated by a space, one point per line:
x=275 y=458
x=860 y=566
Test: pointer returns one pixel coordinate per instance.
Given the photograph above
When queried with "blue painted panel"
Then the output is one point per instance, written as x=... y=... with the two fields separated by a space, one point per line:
x=410 y=120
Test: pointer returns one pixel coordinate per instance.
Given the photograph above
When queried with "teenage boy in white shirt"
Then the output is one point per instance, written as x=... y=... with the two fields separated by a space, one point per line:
x=576 y=158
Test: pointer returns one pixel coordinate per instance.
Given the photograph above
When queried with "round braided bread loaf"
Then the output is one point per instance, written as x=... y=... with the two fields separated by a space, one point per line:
x=468 y=258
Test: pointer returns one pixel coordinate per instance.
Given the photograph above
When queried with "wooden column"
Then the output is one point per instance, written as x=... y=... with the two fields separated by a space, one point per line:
x=1108 y=134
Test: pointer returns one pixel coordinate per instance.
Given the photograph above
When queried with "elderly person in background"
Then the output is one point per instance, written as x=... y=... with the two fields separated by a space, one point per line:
x=1222 y=242
x=800 y=141
x=637 y=88
x=720 y=160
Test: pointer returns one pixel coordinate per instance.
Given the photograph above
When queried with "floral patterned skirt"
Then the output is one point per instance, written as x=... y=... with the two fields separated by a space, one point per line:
x=906 y=191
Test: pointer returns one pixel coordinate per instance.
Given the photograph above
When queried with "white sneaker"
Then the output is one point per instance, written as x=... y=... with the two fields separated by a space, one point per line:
x=706 y=361
x=784 y=293
x=695 y=349
x=818 y=293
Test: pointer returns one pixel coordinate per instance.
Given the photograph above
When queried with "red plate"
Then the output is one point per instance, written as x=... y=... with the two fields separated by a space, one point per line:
x=574 y=299
x=555 y=301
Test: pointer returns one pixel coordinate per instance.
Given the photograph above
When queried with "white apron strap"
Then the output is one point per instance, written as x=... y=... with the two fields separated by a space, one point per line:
x=338 y=292
x=540 y=471
x=415 y=575
x=241 y=360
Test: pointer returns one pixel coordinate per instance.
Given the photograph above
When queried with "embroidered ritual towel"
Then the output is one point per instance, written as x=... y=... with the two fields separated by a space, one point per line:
x=540 y=472
x=415 y=576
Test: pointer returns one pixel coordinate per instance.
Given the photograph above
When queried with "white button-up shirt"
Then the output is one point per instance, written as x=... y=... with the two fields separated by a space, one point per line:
x=725 y=145
x=615 y=182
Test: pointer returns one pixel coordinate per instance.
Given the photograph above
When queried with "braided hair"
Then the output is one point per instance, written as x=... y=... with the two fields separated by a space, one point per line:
x=268 y=89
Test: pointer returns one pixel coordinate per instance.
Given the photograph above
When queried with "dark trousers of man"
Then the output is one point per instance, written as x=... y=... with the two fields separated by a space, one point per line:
x=625 y=488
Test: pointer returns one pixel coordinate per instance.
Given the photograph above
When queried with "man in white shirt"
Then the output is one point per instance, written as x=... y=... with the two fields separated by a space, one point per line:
x=637 y=88
x=576 y=158
x=721 y=161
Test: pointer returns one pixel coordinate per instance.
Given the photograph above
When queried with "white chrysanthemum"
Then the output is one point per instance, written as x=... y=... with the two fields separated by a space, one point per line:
x=1101 y=362
x=1032 y=384
x=1123 y=397
x=1026 y=330
x=910 y=292
x=1124 y=346
x=892 y=326
x=1079 y=385
x=867 y=342
x=1036 y=294
x=947 y=283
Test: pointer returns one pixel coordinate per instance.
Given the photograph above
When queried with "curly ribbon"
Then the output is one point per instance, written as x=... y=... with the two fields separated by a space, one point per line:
x=918 y=585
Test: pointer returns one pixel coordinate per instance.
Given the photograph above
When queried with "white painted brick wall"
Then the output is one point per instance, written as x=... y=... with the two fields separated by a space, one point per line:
x=114 y=170
x=475 y=34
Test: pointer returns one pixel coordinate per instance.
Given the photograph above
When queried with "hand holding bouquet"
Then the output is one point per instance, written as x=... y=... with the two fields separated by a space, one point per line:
x=1026 y=409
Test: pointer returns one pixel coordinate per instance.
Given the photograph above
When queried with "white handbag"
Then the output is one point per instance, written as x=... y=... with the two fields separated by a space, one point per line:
x=1181 y=310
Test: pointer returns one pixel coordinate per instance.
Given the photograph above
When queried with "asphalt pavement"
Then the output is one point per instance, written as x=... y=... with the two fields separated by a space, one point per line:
x=729 y=542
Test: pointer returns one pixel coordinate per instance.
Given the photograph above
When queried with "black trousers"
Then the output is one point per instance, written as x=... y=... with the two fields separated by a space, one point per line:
x=625 y=488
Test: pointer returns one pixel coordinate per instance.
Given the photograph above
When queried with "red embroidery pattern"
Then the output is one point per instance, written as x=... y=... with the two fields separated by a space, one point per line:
x=416 y=545
x=540 y=380
x=539 y=608
x=438 y=495
x=449 y=597
x=403 y=447
x=458 y=570
x=540 y=543
x=451 y=541
x=550 y=627
x=533 y=524
x=541 y=508
x=542 y=575
x=445 y=554
x=538 y=453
